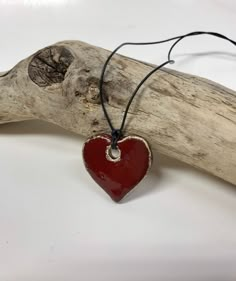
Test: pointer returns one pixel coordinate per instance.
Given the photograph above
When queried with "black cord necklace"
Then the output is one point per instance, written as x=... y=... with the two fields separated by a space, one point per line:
x=119 y=174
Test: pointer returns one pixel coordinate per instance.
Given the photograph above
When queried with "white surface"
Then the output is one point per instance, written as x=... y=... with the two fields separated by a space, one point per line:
x=55 y=223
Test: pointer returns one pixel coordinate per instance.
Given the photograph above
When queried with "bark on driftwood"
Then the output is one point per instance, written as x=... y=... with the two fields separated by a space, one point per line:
x=186 y=117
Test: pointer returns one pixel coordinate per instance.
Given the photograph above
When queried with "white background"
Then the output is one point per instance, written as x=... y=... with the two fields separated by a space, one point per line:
x=55 y=222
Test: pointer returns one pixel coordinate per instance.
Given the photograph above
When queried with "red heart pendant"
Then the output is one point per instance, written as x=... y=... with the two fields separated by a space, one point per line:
x=119 y=174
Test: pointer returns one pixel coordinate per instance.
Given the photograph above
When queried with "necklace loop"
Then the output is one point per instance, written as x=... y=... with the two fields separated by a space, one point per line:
x=116 y=134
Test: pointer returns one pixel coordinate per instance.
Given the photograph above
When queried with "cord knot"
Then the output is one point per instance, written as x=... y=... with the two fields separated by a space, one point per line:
x=116 y=134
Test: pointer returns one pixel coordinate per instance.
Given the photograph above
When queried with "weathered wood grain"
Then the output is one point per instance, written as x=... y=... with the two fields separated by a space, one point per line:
x=183 y=116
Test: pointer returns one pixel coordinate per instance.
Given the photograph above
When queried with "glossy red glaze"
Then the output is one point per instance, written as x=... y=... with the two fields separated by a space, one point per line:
x=117 y=178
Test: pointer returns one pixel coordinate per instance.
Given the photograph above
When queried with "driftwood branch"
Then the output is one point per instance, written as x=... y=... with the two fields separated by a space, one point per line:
x=186 y=117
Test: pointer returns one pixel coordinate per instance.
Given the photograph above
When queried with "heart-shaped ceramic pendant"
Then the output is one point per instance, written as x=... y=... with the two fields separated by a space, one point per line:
x=120 y=173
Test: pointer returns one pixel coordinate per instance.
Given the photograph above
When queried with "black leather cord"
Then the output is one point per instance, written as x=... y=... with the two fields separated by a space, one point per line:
x=117 y=133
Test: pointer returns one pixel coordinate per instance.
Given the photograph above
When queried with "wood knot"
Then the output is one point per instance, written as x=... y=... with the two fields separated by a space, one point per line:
x=93 y=94
x=50 y=65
